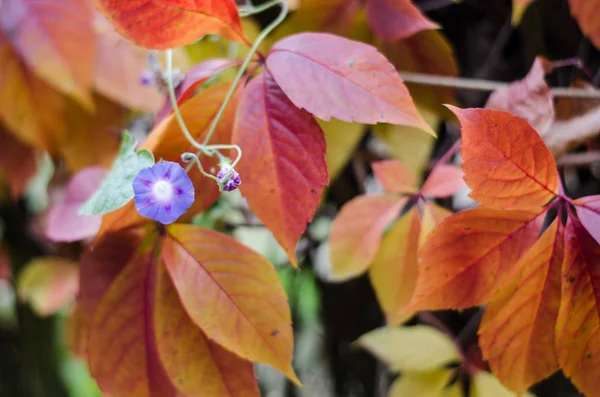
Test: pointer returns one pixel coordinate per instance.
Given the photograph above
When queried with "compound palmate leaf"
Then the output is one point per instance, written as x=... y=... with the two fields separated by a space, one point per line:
x=283 y=168
x=467 y=257
x=506 y=163
x=331 y=76
x=162 y=24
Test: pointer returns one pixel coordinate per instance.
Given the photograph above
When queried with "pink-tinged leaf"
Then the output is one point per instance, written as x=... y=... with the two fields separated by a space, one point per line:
x=393 y=20
x=465 y=260
x=357 y=232
x=517 y=331
x=506 y=163
x=232 y=293
x=194 y=78
x=444 y=181
x=530 y=98
x=197 y=366
x=577 y=340
x=48 y=284
x=395 y=177
x=331 y=76
x=283 y=168
x=123 y=355
x=44 y=33
x=588 y=211
x=64 y=224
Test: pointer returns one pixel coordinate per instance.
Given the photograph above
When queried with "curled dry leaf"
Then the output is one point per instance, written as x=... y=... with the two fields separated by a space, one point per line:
x=529 y=98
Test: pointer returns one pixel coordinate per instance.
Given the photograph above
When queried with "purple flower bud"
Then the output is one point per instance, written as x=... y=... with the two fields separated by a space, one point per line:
x=147 y=78
x=163 y=192
x=228 y=178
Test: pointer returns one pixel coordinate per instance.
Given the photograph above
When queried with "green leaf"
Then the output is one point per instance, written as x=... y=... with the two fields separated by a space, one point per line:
x=117 y=189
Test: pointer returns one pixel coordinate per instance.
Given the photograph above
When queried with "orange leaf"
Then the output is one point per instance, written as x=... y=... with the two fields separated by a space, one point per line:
x=123 y=355
x=395 y=177
x=465 y=259
x=173 y=23
x=357 y=231
x=232 y=293
x=506 y=163
x=529 y=98
x=444 y=181
x=516 y=335
x=17 y=162
x=586 y=14
x=43 y=32
x=283 y=169
x=197 y=366
x=396 y=19
x=393 y=272
x=93 y=138
x=29 y=108
x=577 y=336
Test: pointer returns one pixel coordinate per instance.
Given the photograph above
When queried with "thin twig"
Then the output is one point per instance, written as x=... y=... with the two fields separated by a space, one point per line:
x=579 y=159
x=463 y=83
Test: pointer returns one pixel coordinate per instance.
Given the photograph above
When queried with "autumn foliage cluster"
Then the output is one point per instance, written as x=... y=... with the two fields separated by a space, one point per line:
x=179 y=309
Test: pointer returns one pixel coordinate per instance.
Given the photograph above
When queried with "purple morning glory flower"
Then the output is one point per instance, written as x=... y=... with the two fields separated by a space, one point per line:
x=163 y=192
x=228 y=178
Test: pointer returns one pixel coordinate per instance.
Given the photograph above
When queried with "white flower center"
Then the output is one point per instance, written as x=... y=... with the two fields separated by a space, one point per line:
x=162 y=191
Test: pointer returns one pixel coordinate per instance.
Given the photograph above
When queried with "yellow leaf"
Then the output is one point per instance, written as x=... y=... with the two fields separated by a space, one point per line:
x=342 y=138
x=484 y=384
x=48 y=284
x=421 y=384
x=454 y=390
x=409 y=144
x=418 y=348
x=393 y=272
x=431 y=216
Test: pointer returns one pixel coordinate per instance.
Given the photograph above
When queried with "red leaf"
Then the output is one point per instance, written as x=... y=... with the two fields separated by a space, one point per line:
x=64 y=222
x=43 y=32
x=506 y=163
x=357 y=231
x=173 y=23
x=586 y=14
x=17 y=162
x=395 y=177
x=331 y=76
x=588 y=211
x=529 y=99
x=394 y=20
x=577 y=336
x=194 y=78
x=232 y=293
x=517 y=331
x=444 y=181
x=283 y=169
x=123 y=355
x=465 y=260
